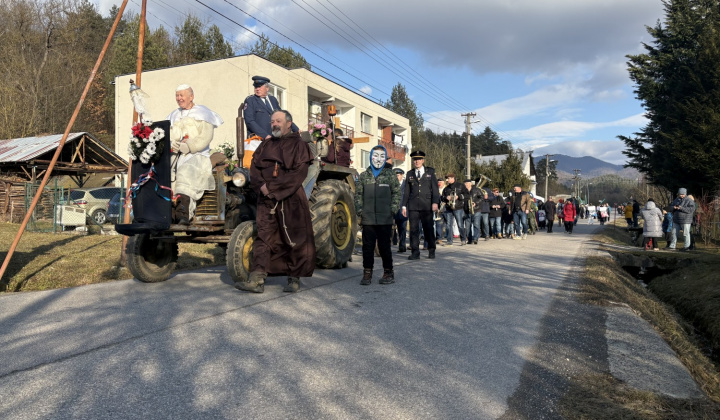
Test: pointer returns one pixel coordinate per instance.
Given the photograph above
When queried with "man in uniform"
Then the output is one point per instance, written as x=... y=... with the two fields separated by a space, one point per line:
x=419 y=202
x=259 y=108
x=400 y=220
x=285 y=243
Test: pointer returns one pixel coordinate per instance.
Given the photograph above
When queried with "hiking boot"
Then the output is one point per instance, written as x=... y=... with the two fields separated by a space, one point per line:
x=414 y=256
x=293 y=285
x=388 y=276
x=402 y=249
x=367 y=276
x=431 y=254
x=182 y=210
x=255 y=283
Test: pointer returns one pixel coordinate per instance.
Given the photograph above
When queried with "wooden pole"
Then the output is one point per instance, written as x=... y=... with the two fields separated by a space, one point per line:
x=30 y=210
x=138 y=82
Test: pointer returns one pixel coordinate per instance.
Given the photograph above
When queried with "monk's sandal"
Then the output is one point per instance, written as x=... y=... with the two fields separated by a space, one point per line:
x=293 y=285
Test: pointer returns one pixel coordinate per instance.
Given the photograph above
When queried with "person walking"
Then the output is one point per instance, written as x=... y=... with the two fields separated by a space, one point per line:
x=652 y=225
x=550 y=209
x=377 y=200
x=683 y=210
x=569 y=215
x=496 y=204
x=400 y=220
x=419 y=202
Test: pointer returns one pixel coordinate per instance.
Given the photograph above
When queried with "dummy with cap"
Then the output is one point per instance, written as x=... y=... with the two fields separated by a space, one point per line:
x=191 y=132
x=258 y=109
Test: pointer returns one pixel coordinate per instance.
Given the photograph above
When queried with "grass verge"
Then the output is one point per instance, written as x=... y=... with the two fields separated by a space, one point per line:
x=51 y=261
x=601 y=396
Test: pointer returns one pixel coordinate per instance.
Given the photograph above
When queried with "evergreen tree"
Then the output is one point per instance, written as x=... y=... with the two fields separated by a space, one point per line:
x=285 y=57
x=678 y=82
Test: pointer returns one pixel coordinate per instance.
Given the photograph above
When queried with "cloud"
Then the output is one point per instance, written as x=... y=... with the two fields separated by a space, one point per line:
x=366 y=90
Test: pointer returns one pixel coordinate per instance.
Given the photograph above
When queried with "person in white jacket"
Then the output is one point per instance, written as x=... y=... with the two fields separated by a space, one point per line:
x=191 y=131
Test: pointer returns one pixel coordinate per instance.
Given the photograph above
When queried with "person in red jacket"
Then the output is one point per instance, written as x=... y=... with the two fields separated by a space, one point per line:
x=569 y=213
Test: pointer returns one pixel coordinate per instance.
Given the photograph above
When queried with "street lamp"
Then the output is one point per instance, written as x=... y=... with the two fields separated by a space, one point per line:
x=588 y=192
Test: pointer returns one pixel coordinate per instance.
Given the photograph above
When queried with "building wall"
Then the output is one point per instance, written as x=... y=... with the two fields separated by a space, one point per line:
x=223 y=85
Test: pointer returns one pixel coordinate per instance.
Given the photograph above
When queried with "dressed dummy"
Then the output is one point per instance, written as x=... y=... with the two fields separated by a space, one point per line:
x=190 y=136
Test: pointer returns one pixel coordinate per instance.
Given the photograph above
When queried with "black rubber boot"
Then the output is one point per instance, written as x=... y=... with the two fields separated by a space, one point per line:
x=431 y=254
x=388 y=276
x=293 y=285
x=367 y=276
x=255 y=283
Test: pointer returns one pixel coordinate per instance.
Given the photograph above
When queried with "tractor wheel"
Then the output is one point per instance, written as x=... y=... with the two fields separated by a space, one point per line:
x=334 y=221
x=240 y=251
x=151 y=260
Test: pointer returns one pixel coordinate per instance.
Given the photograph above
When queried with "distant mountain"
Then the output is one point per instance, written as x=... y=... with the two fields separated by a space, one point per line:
x=589 y=166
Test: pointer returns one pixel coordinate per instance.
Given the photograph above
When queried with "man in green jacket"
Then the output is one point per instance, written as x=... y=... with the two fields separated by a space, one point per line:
x=377 y=200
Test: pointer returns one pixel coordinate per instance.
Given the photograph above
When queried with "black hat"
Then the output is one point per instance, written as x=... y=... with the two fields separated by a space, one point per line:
x=260 y=80
x=399 y=171
x=468 y=180
x=418 y=154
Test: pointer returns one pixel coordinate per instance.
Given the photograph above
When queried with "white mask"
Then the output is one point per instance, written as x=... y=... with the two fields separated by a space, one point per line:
x=377 y=158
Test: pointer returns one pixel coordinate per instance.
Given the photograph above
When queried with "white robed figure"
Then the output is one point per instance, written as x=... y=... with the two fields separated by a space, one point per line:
x=191 y=131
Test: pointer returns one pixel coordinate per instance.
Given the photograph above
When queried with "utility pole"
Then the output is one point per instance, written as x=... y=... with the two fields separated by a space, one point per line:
x=467 y=130
x=547 y=174
x=576 y=178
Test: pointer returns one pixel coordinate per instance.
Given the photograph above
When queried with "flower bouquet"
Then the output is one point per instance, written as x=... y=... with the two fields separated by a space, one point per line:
x=145 y=144
x=319 y=131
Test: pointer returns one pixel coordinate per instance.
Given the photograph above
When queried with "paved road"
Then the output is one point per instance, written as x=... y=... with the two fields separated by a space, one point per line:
x=484 y=331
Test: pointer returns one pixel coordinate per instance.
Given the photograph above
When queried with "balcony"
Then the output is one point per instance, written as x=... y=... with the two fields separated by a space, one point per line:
x=396 y=152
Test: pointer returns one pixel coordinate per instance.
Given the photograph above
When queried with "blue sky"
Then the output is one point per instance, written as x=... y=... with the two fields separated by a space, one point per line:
x=547 y=75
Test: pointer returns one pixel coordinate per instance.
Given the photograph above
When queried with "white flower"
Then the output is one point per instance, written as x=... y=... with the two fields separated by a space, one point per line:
x=146 y=121
x=144 y=157
x=159 y=133
x=146 y=139
x=150 y=149
x=131 y=152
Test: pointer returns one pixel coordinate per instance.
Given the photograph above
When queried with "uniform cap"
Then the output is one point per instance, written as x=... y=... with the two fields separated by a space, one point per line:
x=260 y=80
x=468 y=180
x=418 y=154
x=399 y=171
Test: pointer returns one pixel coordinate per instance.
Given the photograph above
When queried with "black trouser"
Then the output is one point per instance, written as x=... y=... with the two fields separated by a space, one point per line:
x=569 y=226
x=401 y=224
x=550 y=224
x=424 y=217
x=380 y=234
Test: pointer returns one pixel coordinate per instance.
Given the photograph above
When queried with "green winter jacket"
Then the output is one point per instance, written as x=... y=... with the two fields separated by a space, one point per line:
x=377 y=200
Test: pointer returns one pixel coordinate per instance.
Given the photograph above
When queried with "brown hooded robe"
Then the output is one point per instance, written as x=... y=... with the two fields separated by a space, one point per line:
x=272 y=250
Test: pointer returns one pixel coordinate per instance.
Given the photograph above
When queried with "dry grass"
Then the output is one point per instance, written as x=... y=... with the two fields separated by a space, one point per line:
x=604 y=282
x=50 y=261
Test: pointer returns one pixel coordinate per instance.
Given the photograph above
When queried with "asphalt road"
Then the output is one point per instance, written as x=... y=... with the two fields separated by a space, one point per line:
x=482 y=332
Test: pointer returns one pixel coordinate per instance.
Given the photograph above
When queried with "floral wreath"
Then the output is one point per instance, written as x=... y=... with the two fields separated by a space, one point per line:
x=319 y=131
x=145 y=144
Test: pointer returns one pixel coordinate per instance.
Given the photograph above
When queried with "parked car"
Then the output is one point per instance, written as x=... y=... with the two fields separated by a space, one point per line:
x=94 y=201
x=114 y=206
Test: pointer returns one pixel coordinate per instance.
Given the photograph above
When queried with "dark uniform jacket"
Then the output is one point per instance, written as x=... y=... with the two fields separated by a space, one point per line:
x=257 y=115
x=420 y=194
x=462 y=195
x=478 y=198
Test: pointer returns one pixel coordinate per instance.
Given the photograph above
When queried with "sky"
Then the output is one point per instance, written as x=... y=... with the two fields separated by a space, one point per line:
x=549 y=76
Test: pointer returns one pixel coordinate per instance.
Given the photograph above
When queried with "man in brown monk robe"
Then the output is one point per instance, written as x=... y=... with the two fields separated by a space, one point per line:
x=285 y=243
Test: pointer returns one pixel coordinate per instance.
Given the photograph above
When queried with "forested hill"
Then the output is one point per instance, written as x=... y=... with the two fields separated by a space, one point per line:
x=589 y=166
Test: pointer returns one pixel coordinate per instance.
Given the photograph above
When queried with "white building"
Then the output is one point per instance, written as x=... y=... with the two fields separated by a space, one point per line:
x=527 y=165
x=222 y=85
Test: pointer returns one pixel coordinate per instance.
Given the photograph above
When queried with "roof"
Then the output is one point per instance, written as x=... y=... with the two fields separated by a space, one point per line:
x=26 y=148
x=81 y=154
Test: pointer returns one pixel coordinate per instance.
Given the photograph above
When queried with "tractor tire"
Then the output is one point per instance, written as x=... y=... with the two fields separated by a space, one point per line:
x=334 y=222
x=151 y=260
x=239 y=252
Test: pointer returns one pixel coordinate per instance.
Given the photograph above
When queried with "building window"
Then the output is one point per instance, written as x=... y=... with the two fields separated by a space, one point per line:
x=364 y=159
x=279 y=94
x=366 y=123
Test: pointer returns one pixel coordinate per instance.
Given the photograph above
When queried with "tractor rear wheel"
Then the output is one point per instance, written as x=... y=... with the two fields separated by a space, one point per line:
x=334 y=221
